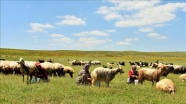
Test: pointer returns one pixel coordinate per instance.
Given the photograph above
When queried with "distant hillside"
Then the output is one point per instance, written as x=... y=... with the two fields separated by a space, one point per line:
x=19 y=52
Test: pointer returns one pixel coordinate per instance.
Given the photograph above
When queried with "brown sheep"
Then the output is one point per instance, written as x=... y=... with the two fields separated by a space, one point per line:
x=166 y=85
x=151 y=74
x=28 y=69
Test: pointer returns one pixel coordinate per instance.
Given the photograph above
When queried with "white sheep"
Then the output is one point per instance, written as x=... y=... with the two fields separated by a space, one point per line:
x=166 y=85
x=48 y=67
x=151 y=74
x=68 y=69
x=15 y=67
x=8 y=67
x=57 y=69
x=183 y=77
x=101 y=74
x=53 y=68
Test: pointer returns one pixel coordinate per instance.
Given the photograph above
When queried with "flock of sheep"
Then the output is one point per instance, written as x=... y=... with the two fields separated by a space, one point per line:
x=28 y=68
x=99 y=74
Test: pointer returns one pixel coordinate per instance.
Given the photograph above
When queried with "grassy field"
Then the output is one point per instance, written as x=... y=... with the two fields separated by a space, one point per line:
x=62 y=90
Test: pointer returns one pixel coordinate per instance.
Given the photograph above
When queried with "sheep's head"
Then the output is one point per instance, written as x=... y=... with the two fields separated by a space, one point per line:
x=120 y=70
x=172 y=91
x=167 y=71
x=21 y=61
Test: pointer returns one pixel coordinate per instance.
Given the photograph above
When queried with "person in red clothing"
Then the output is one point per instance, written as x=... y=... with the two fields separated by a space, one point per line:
x=133 y=73
x=41 y=71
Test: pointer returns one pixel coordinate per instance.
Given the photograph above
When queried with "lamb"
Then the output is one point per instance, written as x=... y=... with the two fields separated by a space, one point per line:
x=68 y=69
x=166 y=85
x=183 y=77
x=151 y=74
x=104 y=74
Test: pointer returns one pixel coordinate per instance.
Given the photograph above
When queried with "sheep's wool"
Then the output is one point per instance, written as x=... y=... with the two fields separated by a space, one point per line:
x=150 y=71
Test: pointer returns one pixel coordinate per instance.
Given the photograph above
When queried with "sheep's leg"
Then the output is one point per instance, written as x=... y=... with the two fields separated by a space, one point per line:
x=93 y=82
x=23 y=78
x=30 y=79
x=27 y=79
x=152 y=83
x=70 y=74
x=107 y=82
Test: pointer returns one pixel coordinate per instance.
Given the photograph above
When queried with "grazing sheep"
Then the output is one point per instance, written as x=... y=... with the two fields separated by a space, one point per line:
x=151 y=74
x=104 y=74
x=48 y=67
x=166 y=85
x=68 y=69
x=183 y=77
x=179 y=69
x=75 y=62
x=110 y=65
x=95 y=62
x=53 y=68
x=7 y=67
x=57 y=69
x=15 y=67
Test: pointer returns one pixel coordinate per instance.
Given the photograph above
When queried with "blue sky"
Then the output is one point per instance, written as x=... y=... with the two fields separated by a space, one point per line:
x=94 y=25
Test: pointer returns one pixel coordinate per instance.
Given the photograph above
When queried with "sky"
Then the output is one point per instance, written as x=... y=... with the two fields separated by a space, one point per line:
x=94 y=25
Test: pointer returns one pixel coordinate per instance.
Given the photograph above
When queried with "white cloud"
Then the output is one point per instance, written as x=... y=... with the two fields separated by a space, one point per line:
x=70 y=20
x=156 y=36
x=112 y=30
x=145 y=29
x=90 y=41
x=112 y=16
x=133 y=4
x=91 y=33
x=37 y=27
x=127 y=41
x=58 y=39
x=103 y=10
x=140 y=13
x=57 y=35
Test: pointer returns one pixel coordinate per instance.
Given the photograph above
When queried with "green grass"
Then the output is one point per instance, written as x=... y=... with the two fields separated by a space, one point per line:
x=64 y=89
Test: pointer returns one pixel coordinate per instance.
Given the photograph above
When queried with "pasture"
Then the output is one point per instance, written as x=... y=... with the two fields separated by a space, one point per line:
x=62 y=90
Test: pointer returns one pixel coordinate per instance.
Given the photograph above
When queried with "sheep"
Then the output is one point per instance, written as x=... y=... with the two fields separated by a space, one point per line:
x=68 y=69
x=48 y=67
x=5 y=67
x=183 y=77
x=15 y=67
x=57 y=68
x=53 y=68
x=179 y=69
x=75 y=62
x=166 y=85
x=27 y=68
x=151 y=74
x=104 y=74
x=95 y=62
x=110 y=65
